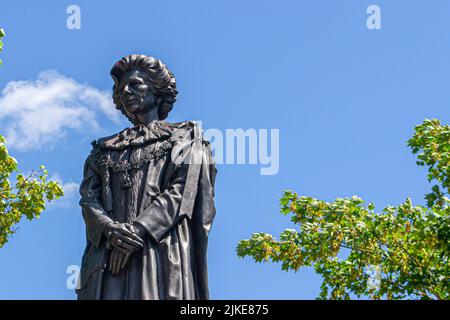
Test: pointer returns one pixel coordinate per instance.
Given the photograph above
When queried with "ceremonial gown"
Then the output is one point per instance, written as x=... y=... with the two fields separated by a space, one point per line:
x=161 y=176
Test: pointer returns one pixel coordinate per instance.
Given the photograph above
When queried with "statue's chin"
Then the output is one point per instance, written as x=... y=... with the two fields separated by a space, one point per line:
x=133 y=108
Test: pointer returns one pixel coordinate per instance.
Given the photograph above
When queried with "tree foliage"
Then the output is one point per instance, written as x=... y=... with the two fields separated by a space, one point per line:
x=2 y=34
x=396 y=253
x=25 y=196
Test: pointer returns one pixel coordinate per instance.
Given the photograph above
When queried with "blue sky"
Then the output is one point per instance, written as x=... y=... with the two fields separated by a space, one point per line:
x=344 y=98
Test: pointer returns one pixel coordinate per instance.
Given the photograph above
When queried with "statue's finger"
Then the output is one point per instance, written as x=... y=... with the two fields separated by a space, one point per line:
x=129 y=227
x=128 y=247
x=111 y=260
x=132 y=242
x=120 y=258
x=117 y=263
x=114 y=272
x=125 y=239
x=125 y=260
x=120 y=247
x=134 y=237
x=131 y=235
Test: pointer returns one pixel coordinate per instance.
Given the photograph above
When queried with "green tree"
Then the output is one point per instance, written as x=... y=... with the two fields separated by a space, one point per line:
x=400 y=252
x=26 y=196
x=2 y=34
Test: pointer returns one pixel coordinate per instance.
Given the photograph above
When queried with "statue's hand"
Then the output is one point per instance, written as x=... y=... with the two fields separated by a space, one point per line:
x=138 y=229
x=117 y=261
x=122 y=238
x=120 y=254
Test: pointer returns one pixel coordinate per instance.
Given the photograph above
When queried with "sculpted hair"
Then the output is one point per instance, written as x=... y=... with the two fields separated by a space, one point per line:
x=162 y=80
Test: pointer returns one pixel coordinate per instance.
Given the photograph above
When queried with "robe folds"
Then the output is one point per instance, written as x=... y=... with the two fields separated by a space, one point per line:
x=159 y=175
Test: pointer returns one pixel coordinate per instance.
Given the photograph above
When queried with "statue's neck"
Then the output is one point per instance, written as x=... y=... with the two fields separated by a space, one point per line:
x=146 y=117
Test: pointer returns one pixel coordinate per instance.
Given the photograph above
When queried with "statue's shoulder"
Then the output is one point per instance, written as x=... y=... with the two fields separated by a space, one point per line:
x=187 y=130
x=179 y=126
x=100 y=141
x=181 y=130
x=97 y=151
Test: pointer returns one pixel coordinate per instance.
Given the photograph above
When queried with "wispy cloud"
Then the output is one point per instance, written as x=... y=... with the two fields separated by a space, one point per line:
x=36 y=113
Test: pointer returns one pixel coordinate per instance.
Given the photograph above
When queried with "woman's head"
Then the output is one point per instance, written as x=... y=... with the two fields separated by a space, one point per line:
x=142 y=83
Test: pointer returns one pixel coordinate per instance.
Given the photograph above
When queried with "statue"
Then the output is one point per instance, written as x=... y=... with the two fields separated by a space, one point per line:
x=147 y=196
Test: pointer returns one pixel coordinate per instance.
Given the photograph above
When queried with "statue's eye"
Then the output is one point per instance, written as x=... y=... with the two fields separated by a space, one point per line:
x=139 y=85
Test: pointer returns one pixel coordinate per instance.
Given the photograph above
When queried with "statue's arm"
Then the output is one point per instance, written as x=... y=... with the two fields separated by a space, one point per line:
x=163 y=213
x=94 y=215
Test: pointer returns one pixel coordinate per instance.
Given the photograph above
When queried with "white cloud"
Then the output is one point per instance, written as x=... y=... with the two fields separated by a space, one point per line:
x=37 y=113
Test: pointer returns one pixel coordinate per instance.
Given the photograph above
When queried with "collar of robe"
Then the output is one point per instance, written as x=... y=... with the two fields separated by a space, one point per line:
x=138 y=135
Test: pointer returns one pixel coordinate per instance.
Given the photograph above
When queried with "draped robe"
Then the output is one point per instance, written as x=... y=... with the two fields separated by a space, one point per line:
x=146 y=175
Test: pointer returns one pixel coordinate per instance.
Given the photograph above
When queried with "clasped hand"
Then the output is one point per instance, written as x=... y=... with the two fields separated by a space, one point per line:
x=124 y=240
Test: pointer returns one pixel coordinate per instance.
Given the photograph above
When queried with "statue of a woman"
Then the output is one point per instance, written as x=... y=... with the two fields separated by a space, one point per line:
x=147 y=196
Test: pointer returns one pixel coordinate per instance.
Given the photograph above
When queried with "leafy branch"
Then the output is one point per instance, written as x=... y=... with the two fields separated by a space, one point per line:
x=27 y=196
x=409 y=244
x=2 y=34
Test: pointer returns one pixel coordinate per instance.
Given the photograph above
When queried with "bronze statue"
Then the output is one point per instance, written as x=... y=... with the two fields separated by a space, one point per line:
x=147 y=196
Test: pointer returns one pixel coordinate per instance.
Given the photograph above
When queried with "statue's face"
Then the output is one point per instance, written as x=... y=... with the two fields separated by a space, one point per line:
x=136 y=92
